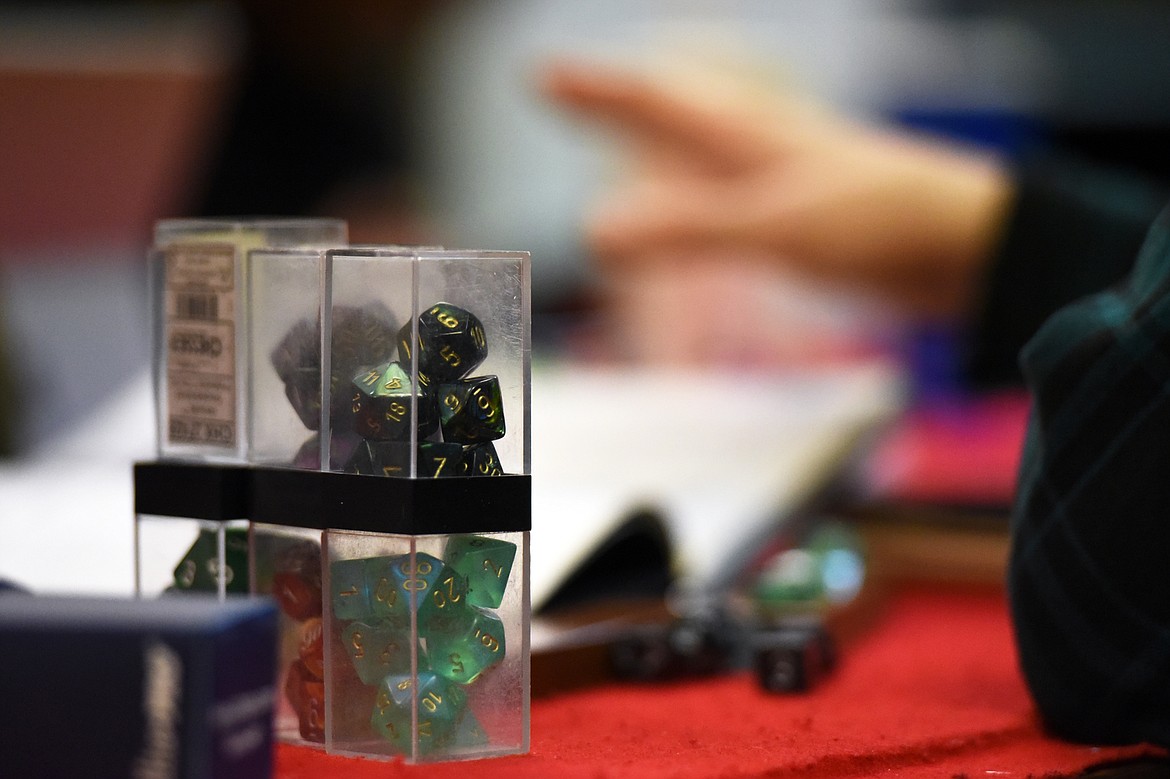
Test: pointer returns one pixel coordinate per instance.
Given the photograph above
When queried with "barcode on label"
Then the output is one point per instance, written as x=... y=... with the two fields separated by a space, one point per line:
x=202 y=306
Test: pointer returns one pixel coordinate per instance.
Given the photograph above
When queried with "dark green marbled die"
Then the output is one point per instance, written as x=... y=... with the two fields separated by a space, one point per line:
x=385 y=404
x=450 y=342
x=482 y=460
x=486 y=562
x=471 y=411
x=464 y=649
x=198 y=571
x=441 y=707
x=379 y=649
x=439 y=459
x=436 y=459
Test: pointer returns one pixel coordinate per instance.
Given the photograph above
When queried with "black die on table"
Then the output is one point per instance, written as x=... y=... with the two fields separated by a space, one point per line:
x=684 y=648
x=793 y=659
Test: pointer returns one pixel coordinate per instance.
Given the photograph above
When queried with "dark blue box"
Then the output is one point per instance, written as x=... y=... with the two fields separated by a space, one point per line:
x=143 y=689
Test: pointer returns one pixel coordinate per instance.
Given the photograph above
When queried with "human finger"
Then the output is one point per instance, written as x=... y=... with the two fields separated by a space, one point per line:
x=649 y=217
x=654 y=115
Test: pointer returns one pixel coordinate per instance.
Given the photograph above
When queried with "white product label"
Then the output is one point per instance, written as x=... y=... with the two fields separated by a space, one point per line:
x=200 y=344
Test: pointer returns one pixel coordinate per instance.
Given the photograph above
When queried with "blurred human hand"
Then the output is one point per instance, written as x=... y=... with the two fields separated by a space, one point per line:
x=887 y=212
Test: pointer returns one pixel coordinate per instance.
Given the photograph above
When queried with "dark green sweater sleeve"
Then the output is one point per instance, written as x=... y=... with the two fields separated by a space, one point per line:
x=1090 y=532
x=1074 y=229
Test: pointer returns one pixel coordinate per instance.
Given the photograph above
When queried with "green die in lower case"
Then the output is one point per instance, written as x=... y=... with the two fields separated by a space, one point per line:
x=198 y=571
x=464 y=649
x=378 y=650
x=445 y=600
x=469 y=732
x=441 y=708
x=415 y=578
x=349 y=589
x=386 y=587
x=486 y=562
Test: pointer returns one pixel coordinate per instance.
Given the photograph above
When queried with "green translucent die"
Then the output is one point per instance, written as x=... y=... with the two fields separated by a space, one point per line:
x=471 y=411
x=465 y=649
x=388 y=601
x=415 y=580
x=198 y=571
x=446 y=600
x=378 y=650
x=469 y=733
x=441 y=708
x=486 y=562
x=389 y=587
x=349 y=589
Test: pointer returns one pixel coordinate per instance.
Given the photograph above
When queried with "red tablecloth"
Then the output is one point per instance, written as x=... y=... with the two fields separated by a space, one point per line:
x=932 y=691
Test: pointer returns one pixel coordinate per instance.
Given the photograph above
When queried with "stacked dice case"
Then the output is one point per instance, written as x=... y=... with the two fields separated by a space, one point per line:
x=196 y=538
x=387 y=496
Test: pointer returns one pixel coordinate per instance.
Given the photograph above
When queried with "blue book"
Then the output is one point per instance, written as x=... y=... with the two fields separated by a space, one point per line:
x=149 y=689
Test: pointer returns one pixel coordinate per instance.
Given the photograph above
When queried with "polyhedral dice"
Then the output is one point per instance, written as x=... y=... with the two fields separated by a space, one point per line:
x=382 y=404
x=445 y=602
x=361 y=336
x=441 y=707
x=306 y=694
x=350 y=591
x=198 y=571
x=793 y=659
x=384 y=587
x=387 y=587
x=311 y=649
x=482 y=460
x=464 y=649
x=435 y=459
x=441 y=459
x=450 y=342
x=471 y=411
x=296 y=580
x=469 y=733
x=415 y=579
x=377 y=649
x=486 y=562
x=686 y=647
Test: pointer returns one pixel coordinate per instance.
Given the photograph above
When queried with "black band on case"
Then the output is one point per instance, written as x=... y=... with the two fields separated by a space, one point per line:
x=338 y=501
x=192 y=490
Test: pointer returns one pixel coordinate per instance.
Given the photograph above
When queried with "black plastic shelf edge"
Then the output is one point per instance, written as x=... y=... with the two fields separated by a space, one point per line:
x=192 y=490
x=337 y=501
